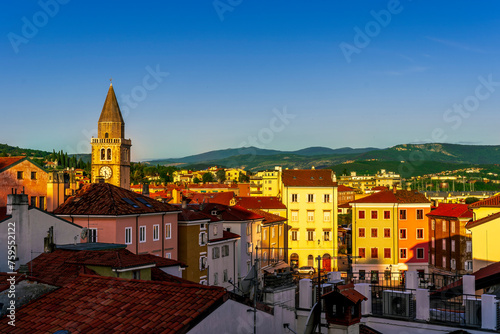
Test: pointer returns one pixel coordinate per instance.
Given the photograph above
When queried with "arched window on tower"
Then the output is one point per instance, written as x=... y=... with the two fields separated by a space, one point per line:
x=106 y=135
x=103 y=154
x=109 y=154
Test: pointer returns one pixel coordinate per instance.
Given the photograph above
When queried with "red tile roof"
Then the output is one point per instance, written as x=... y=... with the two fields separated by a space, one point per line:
x=95 y=304
x=116 y=259
x=212 y=185
x=486 y=219
x=226 y=235
x=451 y=210
x=493 y=201
x=342 y=188
x=260 y=202
x=161 y=261
x=107 y=199
x=308 y=178
x=349 y=292
x=269 y=218
x=7 y=162
x=192 y=214
x=224 y=197
x=401 y=196
x=231 y=213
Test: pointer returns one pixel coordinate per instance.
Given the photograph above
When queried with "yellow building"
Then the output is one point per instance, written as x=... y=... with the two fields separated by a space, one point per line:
x=233 y=174
x=364 y=183
x=311 y=200
x=266 y=183
x=485 y=231
x=110 y=150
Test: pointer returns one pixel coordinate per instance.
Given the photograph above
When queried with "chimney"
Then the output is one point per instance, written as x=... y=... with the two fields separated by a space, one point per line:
x=16 y=202
x=394 y=188
x=145 y=189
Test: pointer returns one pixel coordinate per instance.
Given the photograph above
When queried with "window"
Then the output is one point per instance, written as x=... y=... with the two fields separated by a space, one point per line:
x=108 y=155
x=387 y=253
x=295 y=235
x=453 y=245
x=362 y=274
x=444 y=244
x=468 y=265
x=280 y=230
x=433 y=222
x=444 y=225
x=103 y=154
x=92 y=235
x=33 y=175
x=326 y=216
x=452 y=226
x=156 y=232
x=215 y=253
x=225 y=250
x=142 y=234
x=128 y=235
x=259 y=228
x=19 y=175
x=361 y=252
x=203 y=262
x=402 y=214
x=433 y=242
x=433 y=259
x=168 y=255
x=310 y=198
x=402 y=253
x=33 y=201
x=444 y=262
x=374 y=214
x=387 y=232
x=249 y=247
x=420 y=214
x=168 y=231
x=361 y=232
x=374 y=232
x=204 y=227
x=402 y=233
x=273 y=232
x=136 y=274
x=310 y=235
x=202 y=238
x=326 y=198
x=387 y=214
x=249 y=228
x=420 y=253
x=264 y=234
x=420 y=233
x=374 y=253
x=295 y=216
x=203 y=282
x=224 y=276
x=310 y=216
x=361 y=214
x=295 y=198
x=215 y=229
x=326 y=235
x=453 y=264
x=468 y=246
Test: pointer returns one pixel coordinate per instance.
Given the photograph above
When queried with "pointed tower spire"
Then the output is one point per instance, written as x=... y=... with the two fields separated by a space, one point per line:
x=111 y=124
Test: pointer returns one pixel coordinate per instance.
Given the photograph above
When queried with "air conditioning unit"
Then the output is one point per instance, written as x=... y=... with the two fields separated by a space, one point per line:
x=396 y=303
x=472 y=311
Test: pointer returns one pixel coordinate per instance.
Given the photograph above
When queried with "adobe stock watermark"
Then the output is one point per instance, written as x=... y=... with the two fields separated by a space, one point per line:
x=363 y=37
x=30 y=27
x=223 y=6
x=265 y=136
x=138 y=93
x=454 y=117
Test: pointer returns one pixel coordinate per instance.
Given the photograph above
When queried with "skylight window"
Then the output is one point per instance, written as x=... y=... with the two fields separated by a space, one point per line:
x=129 y=201
x=143 y=201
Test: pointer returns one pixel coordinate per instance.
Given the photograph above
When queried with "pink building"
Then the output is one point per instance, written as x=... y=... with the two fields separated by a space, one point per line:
x=116 y=215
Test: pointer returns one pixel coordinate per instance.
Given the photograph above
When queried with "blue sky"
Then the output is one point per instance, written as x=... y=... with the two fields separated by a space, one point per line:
x=357 y=73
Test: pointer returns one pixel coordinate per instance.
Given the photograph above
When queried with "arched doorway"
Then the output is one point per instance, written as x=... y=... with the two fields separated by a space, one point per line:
x=327 y=262
x=310 y=261
x=294 y=260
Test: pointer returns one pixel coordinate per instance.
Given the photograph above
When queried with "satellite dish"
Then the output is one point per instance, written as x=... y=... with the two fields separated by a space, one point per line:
x=84 y=233
x=312 y=319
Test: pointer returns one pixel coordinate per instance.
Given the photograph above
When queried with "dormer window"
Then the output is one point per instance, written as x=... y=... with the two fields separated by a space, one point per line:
x=214 y=212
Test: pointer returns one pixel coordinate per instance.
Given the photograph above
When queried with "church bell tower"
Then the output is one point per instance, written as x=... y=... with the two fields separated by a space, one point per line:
x=110 y=150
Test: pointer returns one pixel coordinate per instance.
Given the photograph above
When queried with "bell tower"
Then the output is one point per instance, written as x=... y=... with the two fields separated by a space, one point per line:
x=110 y=150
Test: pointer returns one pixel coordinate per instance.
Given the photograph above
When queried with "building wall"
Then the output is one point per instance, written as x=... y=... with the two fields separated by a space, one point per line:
x=35 y=188
x=272 y=245
x=221 y=264
x=303 y=247
x=108 y=272
x=190 y=250
x=485 y=250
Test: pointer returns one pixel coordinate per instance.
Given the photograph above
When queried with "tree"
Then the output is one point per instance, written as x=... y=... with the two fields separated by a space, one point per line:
x=470 y=200
x=221 y=175
x=243 y=178
x=345 y=172
x=196 y=180
x=208 y=177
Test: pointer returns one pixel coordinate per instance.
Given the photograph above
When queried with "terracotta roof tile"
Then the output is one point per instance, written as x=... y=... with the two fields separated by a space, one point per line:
x=268 y=217
x=451 y=210
x=231 y=213
x=6 y=162
x=260 y=202
x=342 y=188
x=95 y=304
x=493 y=201
x=308 y=178
x=107 y=199
x=224 y=197
x=401 y=196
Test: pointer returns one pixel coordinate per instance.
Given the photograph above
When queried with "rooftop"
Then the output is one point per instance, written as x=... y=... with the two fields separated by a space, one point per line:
x=7 y=162
x=269 y=218
x=451 y=210
x=401 y=196
x=308 y=178
x=490 y=202
x=260 y=202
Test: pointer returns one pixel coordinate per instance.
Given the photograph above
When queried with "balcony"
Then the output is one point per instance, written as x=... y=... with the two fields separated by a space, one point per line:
x=114 y=141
